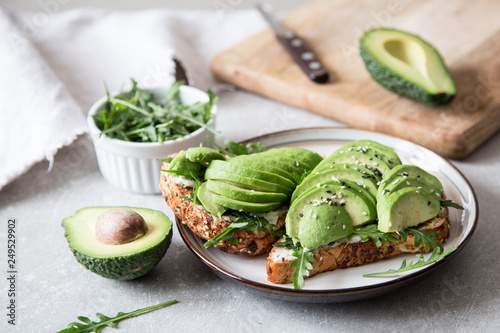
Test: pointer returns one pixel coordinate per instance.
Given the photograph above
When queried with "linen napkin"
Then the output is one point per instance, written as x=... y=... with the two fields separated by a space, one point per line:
x=54 y=65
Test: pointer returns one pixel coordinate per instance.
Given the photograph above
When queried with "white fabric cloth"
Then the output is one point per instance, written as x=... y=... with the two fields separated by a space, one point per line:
x=53 y=65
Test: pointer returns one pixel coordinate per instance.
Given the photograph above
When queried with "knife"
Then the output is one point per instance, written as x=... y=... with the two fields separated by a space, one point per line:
x=295 y=46
x=180 y=72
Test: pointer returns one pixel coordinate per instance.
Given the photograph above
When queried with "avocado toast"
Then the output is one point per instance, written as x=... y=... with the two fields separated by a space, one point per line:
x=337 y=220
x=237 y=203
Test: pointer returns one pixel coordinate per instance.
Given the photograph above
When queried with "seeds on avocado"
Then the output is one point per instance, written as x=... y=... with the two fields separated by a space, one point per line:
x=119 y=226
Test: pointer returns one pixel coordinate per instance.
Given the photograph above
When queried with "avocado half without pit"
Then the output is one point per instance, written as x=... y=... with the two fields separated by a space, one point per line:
x=407 y=65
x=120 y=243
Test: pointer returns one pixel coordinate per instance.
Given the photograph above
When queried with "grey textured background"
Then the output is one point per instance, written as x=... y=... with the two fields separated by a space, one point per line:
x=53 y=288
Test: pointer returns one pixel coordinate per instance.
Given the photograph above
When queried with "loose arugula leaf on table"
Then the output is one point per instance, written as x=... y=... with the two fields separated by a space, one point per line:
x=436 y=255
x=133 y=116
x=86 y=325
x=449 y=203
x=245 y=222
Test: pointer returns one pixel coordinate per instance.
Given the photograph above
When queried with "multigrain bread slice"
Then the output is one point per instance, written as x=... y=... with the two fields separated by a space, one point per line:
x=351 y=254
x=207 y=226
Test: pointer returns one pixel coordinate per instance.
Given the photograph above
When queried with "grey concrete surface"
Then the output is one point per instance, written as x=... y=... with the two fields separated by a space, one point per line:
x=53 y=289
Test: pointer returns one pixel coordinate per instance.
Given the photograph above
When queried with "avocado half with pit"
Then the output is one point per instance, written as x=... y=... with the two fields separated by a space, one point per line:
x=120 y=243
x=407 y=65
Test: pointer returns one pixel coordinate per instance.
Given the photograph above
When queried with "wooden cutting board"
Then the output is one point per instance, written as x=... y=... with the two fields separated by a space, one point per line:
x=466 y=34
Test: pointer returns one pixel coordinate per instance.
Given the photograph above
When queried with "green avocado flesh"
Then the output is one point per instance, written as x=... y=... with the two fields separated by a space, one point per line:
x=323 y=224
x=247 y=172
x=406 y=170
x=406 y=207
x=372 y=184
x=407 y=65
x=206 y=199
x=360 y=209
x=366 y=160
x=232 y=191
x=122 y=262
x=341 y=174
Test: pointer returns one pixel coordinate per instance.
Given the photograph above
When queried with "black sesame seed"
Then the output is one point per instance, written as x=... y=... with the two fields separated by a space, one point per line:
x=342 y=204
x=301 y=215
x=335 y=203
x=348 y=186
x=328 y=191
x=371 y=158
x=428 y=203
x=363 y=177
x=343 y=183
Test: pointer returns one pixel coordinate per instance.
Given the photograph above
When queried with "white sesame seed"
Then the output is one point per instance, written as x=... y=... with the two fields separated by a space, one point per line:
x=365 y=213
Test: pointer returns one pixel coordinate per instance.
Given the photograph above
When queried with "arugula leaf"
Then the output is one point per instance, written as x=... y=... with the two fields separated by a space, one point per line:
x=236 y=148
x=426 y=237
x=256 y=147
x=134 y=116
x=436 y=255
x=304 y=261
x=449 y=203
x=246 y=222
x=221 y=150
x=86 y=325
x=371 y=232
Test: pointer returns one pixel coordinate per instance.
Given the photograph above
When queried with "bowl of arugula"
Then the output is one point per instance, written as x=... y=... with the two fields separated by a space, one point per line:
x=131 y=130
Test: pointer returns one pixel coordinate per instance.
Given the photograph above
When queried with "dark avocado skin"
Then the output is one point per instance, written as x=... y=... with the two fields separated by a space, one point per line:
x=400 y=85
x=130 y=265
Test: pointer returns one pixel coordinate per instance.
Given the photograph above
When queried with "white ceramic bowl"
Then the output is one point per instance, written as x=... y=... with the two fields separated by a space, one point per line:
x=134 y=166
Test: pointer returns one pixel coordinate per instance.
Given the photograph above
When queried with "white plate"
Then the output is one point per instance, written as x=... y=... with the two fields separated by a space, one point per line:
x=347 y=284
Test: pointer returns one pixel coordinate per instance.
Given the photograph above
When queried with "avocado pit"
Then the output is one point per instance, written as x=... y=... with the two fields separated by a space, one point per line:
x=119 y=226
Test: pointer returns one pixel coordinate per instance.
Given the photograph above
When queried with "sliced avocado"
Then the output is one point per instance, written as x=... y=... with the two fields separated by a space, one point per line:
x=244 y=171
x=340 y=174
x=360 y=209
x=323 y=224
x=262 y=165
x=385 y=153
x=296 y=156
x=203 y=155
x=122 y=262
x=234 y=192
x=182 y=163
x=245 y=182
x=405 y=181
x=206 y=199
x=411 y=170
x=295 y=153
x=406 y=207
x=367 y=160
x=407 y=65
x=244 y=206
x=290 y=167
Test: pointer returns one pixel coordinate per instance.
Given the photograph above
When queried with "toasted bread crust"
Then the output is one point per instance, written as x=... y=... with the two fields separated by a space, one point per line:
x=206 y=226
x=345 y=255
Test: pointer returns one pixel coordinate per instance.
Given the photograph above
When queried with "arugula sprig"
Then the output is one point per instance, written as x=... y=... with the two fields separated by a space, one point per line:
x=236 y=149
x=86 y=325
x=370 y=232
x=449 y=203
x=134 y=115
x=196 y=177
x=302 y=263
x=244 y=221
x=437 y=254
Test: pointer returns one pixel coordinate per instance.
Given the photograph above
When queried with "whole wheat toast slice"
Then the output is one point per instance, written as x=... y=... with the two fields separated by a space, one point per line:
x=351 y=254
x=207 y=226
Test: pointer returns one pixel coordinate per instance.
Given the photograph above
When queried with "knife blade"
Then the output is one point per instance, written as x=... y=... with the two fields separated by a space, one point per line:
x=295 y=46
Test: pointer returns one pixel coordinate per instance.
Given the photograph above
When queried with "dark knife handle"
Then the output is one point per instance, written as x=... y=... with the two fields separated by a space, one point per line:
x=303 y=56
